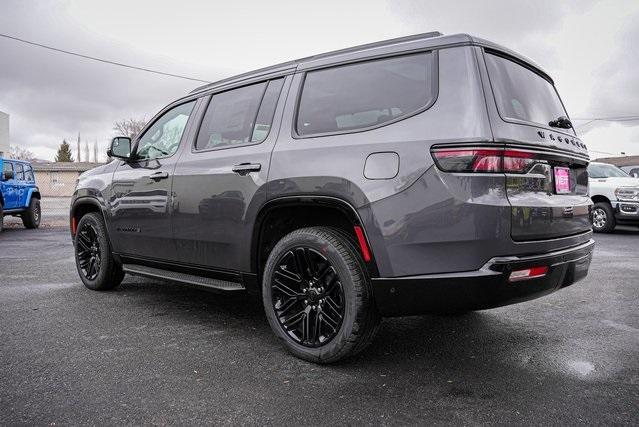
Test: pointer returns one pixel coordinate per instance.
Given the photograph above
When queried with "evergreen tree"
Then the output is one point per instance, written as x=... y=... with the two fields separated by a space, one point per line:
x=64 y=152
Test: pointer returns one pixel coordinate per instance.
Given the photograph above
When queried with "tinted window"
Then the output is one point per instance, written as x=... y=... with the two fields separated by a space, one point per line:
x=19 y=171
x=162 y=139
x=366 y=94
x=267 y=110
x=604 y=171
x=232 y=117
x=6 y=167
x=28 y=173
x=521 y=93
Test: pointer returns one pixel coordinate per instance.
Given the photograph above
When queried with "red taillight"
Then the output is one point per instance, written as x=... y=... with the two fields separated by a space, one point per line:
x=482 y=160
x=517 y=161
x=363 y=246
x=528 y=273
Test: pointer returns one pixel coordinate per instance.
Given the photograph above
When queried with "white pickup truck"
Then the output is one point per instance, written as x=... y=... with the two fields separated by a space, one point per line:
x=615 y=195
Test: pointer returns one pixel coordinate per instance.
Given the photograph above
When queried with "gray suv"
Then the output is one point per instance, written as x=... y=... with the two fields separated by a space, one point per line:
x=423 y=174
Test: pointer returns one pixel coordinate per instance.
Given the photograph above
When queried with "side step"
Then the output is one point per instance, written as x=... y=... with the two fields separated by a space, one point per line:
x=157 y=273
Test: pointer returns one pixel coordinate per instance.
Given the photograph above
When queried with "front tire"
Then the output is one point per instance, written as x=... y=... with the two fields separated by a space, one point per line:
x=1 y=216
x=603 y=218
x=31 y=217
x=96 y=266
x=317 y=296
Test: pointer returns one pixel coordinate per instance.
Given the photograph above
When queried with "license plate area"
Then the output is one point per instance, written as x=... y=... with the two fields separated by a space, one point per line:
x=562 y=180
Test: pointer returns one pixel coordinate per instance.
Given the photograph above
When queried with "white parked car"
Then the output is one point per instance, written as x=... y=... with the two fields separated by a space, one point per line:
x=615 y=195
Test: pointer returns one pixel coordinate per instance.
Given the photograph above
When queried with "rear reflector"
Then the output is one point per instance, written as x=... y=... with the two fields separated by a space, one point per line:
x=529 y=273
x=74 y=225
x=363 y=246
x=481 y=160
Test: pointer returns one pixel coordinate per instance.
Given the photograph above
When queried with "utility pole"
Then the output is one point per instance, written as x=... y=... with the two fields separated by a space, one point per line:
x=86 y=151
x=79 y=150
x=95 y=151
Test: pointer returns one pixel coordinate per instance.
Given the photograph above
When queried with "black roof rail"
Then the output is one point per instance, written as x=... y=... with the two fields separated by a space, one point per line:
x=294 y=63
x=372 y=45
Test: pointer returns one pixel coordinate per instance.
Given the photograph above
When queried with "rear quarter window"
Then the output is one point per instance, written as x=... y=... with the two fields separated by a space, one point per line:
x=365 y=95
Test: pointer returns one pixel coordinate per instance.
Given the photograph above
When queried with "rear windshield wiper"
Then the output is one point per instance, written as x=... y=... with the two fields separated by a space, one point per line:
x=561 y=122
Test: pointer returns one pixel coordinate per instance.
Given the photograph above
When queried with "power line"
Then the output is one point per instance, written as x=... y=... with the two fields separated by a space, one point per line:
x=608 y=119
x=106 y=61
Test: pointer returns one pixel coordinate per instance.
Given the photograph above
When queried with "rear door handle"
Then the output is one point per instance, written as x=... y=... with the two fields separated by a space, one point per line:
x=244 y=168
x=159 y=175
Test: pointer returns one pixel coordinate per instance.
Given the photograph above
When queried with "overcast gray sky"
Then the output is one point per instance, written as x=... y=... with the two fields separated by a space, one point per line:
x=591 y=48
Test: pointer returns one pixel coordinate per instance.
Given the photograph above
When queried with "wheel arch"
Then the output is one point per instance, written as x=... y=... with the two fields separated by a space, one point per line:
x=598 y=198
x=81 y=207
x=318 y=211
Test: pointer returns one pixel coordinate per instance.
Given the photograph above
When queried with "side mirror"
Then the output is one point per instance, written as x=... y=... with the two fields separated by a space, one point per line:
x=7 y=175
x=120 y=148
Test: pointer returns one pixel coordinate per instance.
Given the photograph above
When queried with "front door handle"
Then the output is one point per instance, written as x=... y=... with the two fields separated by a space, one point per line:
x=244 y=168
x=159 y=175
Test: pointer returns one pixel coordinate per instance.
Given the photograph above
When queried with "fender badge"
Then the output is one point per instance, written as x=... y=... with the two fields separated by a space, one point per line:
x=541 y=134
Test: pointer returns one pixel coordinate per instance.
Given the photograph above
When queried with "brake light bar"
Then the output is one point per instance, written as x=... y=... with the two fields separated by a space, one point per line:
x=482 y=160
x=528 y=273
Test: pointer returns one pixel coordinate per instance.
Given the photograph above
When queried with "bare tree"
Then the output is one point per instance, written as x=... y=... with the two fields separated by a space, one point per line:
x=19 y=153
x=129 y=127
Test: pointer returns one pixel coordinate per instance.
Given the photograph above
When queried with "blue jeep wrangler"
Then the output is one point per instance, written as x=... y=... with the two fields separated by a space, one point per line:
x=19 y=195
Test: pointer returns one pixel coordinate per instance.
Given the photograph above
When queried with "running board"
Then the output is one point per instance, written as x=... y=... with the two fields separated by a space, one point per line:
x=207 y=282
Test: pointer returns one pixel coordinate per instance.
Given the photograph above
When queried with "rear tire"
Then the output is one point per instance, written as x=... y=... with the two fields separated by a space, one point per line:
x=96 y=266
x=1 y=216
x=603 y=218
x=31 y=217
x=324 y=312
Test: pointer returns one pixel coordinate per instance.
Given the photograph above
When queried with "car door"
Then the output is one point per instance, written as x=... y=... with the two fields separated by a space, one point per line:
x=8 y=186
x=140 y=199
x=219 y=184
x=20 y=185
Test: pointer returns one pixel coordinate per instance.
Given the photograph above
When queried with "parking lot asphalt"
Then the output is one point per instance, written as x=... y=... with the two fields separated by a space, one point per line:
x=162 y=353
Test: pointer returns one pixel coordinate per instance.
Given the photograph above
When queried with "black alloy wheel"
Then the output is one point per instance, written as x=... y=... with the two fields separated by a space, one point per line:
x=307 y=296
x=88 y=251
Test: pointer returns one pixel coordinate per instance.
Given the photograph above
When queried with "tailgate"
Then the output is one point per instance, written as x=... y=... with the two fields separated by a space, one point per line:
x=550 y=199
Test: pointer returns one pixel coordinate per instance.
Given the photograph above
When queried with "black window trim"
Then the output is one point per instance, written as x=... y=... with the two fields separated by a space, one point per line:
x=135 y=143
x=434 y=52
x=489 y=51
x=210 y=96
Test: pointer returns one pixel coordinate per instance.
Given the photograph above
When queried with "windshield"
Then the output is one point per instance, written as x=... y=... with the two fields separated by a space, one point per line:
x=522 y=94
x=598 y=170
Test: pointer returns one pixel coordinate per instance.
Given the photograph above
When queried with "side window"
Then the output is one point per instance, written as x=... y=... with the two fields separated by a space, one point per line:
x=19 y=171
x=28 y=173
x=162 y=139
x=239 y=116
x=366 y=94
x=267 y=111
x=6 y=167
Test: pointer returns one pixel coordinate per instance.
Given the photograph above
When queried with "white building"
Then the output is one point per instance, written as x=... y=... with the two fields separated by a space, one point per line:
x=4 y=134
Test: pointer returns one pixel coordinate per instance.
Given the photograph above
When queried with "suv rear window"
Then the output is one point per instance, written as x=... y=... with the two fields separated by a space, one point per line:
x=521 y=93
x=367 y=94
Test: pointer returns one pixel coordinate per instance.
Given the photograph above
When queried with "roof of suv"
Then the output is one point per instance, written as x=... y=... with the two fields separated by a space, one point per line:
x=415 y=42
x=26 y=162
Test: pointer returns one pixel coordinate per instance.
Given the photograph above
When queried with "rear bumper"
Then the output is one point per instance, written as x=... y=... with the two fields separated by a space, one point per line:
x=487 y=287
